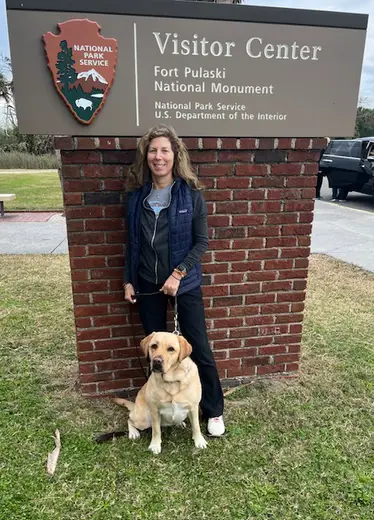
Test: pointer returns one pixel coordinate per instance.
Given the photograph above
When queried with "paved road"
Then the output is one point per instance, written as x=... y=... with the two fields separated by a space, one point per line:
x=354 y=199
x=343 y=231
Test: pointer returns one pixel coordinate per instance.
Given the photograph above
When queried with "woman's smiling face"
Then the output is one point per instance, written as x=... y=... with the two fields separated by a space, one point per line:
x=160 y=158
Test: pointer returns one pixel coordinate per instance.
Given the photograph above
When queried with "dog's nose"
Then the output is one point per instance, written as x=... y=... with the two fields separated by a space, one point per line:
x=157 y=363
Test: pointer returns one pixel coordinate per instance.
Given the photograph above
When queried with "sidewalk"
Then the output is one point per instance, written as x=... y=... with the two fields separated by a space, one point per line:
x=42 y=232
x=338 y=231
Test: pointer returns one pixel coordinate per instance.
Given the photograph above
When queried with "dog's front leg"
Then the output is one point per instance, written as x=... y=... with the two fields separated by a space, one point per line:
x=155 y=445
x=197 y=436
x=133 y=432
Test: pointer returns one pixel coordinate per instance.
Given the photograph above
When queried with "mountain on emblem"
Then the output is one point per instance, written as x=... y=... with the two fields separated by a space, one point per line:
x=83 y=65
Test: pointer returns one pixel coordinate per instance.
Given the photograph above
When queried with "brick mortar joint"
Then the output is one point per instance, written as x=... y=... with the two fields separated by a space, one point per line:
x=72 y=143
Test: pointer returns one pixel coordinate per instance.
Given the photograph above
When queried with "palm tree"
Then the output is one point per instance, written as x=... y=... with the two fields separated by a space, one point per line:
x=6 y=90
x=6 y=85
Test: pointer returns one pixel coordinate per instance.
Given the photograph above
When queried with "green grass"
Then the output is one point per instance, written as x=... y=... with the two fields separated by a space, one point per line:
x=27 y=161
x=295 y=450
x=34 y=191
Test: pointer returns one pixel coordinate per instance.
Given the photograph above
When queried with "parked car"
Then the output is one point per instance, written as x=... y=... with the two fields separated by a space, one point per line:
x=348 y=164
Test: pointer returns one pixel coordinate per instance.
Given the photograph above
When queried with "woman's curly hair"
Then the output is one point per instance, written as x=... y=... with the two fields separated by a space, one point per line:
x=139 y=173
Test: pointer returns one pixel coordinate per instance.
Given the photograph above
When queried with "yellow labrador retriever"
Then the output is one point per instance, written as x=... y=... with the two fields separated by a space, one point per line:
x=172 y=392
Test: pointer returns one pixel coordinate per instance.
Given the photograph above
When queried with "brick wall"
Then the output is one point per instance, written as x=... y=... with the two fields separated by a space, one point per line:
x=260 y=202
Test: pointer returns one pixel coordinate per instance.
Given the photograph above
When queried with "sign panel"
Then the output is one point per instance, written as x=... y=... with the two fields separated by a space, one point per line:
x=204 y=77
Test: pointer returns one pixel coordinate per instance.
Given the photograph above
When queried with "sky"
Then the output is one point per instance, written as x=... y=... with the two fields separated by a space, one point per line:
x=347 y=6
x=357 y=6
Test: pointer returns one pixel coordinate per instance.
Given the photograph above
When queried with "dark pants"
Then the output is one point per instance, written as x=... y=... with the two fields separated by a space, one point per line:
x=319 y=184
x=191 y=316
x=343 y=193
x=340 y=193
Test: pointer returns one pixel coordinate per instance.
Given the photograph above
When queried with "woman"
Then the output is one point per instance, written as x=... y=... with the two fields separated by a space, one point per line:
x=168 y=235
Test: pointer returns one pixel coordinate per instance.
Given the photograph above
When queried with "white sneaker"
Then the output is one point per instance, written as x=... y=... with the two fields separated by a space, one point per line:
x=216 y=426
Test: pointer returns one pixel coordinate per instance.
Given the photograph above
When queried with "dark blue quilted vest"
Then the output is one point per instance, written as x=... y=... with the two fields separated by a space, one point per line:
x=180 y=216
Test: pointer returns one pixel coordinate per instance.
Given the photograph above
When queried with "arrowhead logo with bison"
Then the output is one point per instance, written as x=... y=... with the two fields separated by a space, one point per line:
x=83 y=64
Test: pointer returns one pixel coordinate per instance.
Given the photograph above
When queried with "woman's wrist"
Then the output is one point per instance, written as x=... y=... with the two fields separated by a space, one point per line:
x=179 y=278
x=180 y=271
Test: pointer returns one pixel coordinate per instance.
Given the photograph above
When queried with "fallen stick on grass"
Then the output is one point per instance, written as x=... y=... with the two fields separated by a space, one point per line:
x=54 y=455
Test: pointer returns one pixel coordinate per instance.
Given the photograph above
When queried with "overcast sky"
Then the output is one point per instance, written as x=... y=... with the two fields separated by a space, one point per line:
x=356 y=6
x=348 y=6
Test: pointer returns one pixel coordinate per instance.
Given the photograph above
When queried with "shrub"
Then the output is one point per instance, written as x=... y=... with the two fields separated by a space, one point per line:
x=27 y=161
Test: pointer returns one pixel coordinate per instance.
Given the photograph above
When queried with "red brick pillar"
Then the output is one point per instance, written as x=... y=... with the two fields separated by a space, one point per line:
x=260 y=200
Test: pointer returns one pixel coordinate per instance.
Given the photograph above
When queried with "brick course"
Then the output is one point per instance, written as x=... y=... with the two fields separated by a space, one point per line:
x=259 y=194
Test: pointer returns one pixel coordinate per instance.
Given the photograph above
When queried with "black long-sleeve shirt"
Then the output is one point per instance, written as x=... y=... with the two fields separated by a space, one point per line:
x=154 y=252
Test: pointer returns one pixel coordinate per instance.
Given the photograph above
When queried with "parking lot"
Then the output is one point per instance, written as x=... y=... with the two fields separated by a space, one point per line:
x=345 y=230
x=354 y=199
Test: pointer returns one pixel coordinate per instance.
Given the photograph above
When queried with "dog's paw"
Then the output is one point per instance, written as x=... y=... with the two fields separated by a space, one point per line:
x=200 y=443
x=155 y=448
x=182 y=425
x=134 y=434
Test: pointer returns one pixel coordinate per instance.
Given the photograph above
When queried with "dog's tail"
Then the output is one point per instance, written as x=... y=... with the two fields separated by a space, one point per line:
x=113 y=435
x=124 y=402
x=104 y=437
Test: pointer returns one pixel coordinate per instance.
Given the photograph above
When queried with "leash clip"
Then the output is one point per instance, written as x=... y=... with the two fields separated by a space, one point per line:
x=176 y=324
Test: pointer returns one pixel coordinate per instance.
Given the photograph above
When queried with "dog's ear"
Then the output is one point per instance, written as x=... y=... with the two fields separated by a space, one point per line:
x=145 y=343
x=185 y=348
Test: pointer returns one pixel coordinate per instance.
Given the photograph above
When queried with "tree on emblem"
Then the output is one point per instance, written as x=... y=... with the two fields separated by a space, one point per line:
x=65 y=66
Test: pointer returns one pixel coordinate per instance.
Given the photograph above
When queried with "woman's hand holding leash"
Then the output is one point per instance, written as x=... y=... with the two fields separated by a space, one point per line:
x=171 y=285
x=129 y=293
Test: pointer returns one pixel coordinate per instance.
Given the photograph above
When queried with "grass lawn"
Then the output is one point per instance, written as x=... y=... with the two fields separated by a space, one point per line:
x=300 y=449
x=35 y=191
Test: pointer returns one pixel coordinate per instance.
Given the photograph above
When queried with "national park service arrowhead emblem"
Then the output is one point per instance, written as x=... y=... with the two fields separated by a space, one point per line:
x=83 y=65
